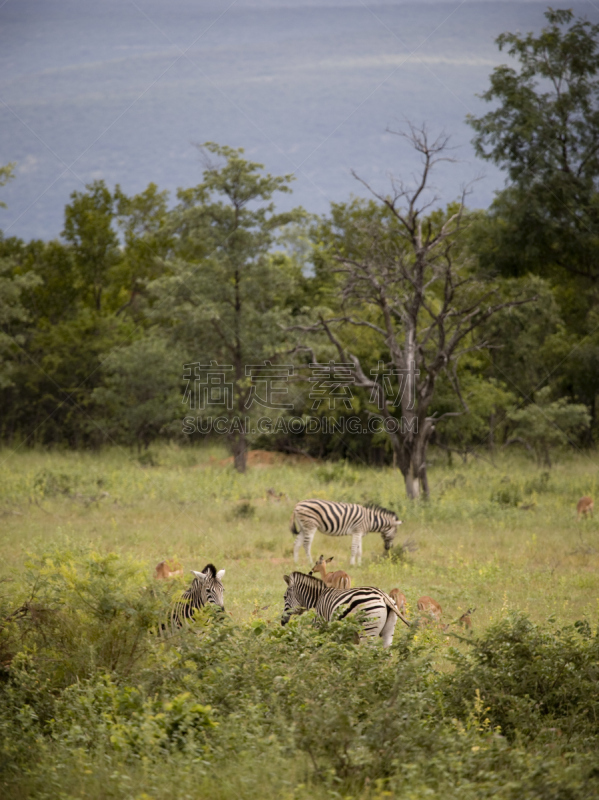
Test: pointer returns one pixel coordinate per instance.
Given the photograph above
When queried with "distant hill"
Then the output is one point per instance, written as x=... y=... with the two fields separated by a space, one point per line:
x=121 y=91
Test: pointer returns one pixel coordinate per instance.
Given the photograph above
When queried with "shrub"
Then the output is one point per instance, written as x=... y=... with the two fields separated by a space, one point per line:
x=532 y=680
x=507 y=494
x=299 y=709
x=244 y=510
x=337 y=472
x=80 y=611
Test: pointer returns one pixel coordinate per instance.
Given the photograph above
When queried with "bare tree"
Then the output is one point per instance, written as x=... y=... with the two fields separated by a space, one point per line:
x=414 y=286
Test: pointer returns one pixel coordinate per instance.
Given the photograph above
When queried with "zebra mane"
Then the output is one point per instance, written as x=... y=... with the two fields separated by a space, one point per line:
x=381 y=510
x=210 y=570
x=306 y=575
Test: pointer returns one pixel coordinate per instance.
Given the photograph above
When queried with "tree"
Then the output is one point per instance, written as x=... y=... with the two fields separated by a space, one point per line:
x=225 y=297
x=13 y=285
x=13 y=314
x=141 y=391
x=522 y=338
x=543 y=424
x=7 y=173
x=148 y=237
x=88 y=228
x=544 y=131
x=407 y=278
x=487 y=400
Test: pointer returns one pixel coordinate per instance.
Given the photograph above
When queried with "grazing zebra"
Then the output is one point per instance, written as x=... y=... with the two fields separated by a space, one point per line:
x=206 y=588
x=340 y=519
x=304 y=591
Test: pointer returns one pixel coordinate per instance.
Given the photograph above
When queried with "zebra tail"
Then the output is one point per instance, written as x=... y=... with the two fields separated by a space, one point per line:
x=292 y=526
x=390 y=604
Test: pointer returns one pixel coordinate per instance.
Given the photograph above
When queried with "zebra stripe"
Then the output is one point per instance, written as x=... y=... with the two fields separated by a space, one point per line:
x=206 y=588
x=304 y=591
x=340 y=519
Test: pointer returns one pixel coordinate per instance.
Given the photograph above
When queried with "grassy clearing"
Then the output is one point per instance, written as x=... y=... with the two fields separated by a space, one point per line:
x=499 y=538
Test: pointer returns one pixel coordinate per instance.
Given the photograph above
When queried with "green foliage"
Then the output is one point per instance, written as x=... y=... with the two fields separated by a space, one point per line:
x=337 y=472
x=507 y=493
x=88 y=227
x=13 y=310
x=141 y=394
x=148 y=237
x=539 y=484
x=226 y=292
x=522 y=348
x=545 y=424
x=299 y=703
x=244 y=510
x=7 y=173
x=543 y=131
x=50 y=484
x=487 y=401
x=534 y=682
x=82 y=612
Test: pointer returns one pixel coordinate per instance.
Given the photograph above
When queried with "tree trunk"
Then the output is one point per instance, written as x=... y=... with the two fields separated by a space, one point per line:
x=240 y=452
x=411 y=459
x=412 y=483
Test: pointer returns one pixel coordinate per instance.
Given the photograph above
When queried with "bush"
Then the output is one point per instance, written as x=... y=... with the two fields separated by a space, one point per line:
x=297 y=709
x=80 y=612
x=533 y=681
x=337 y=472
x=508 y=494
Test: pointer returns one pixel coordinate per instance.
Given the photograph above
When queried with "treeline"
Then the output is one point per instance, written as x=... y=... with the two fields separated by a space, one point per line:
x=468 y=328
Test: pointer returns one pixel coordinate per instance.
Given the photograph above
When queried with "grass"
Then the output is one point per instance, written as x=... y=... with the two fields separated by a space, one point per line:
x=497 y=538
x=95 y=706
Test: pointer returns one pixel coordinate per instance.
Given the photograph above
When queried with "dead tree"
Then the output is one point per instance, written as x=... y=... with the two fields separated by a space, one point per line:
x=410 y=281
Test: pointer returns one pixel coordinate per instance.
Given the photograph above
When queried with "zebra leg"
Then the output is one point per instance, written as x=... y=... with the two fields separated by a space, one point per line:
x=388 y=629
x=308 y=537
x=297 y=544
x=356 y=549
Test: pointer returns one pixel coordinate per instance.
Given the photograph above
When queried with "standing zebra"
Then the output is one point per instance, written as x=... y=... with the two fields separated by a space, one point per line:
x=304 y=591
x=206 y=588
x=340 y=519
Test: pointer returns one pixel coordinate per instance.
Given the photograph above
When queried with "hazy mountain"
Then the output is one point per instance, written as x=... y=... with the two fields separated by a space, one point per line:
x=122 y=90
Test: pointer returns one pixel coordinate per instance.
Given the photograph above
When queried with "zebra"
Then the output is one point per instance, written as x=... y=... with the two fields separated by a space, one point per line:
x=340 y=519
x=206 y=588
x=304 y=591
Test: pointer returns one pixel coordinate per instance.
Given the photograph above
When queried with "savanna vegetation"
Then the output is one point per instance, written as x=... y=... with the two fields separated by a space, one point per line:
x=96 y=704
x=442 y=363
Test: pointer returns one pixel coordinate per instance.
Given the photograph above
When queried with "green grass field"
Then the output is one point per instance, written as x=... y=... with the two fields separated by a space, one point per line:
x=527 y=553
x=95 y=705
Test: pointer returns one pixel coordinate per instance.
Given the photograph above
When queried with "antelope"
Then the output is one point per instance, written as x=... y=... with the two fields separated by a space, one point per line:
x=585 y=506
x=400 y=600
x=465 y=620
x=426 y=605
x=334 y=580
x=168 y=569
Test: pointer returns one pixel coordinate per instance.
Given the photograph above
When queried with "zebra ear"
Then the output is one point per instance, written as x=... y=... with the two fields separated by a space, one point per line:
x=220 y=574
x=201 y=575
x=287 y=579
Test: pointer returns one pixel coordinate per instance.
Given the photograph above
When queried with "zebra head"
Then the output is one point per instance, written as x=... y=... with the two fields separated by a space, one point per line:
x=207 y=586
x=389 y=531
x=302 y=593
x=386 y=522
